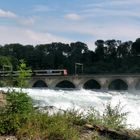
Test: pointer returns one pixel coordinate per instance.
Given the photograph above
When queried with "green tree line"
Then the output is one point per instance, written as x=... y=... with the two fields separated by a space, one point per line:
x=109 y=56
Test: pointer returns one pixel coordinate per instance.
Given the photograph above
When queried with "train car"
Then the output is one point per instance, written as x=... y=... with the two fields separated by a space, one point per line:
x=36 y=72
x=50 y=72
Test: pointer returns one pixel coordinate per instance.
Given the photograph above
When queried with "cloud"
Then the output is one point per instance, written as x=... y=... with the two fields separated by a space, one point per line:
x=113 y=3
x=26 y=20
x=103 y=12
x=27 y=36
x=106 y=8
x=7 y=14
x=20 y=19
x=121 y=30
x=42 y=8
x=127 y=2
x=73 y=16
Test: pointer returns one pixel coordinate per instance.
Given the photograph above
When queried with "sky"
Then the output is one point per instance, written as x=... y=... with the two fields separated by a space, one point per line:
x=46 y=21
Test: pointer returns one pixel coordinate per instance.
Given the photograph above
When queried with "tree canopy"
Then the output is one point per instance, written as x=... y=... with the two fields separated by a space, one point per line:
x=110 y=56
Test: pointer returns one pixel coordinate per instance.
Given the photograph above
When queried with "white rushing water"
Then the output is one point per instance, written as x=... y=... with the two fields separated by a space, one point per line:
x=84 y=99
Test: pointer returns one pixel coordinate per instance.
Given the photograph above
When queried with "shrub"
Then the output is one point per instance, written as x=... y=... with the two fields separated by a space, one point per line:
x=75 y=117
x=15 y=113
x=94 y=117
x=113 y=117
x=19 y=102
x=51 y=127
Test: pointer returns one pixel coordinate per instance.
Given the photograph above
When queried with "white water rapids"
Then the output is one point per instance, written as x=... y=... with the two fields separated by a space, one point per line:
x=84 y=99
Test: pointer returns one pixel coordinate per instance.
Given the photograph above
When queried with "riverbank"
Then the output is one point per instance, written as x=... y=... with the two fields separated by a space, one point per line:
x=20 y=119
x=87 y=132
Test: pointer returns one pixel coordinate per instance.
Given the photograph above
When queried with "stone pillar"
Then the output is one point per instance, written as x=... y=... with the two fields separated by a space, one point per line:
x=78 y=84
x=51 y=83
x=131 y=83
x=104 y=83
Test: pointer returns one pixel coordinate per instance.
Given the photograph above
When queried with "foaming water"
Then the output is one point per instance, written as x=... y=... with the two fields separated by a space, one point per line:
x=84 y=99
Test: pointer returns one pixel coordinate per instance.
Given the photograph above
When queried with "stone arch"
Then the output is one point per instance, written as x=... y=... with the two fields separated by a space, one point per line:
x=65 y=84
x=40 y=83
x=92 y=84
x=118 y=84
x=137 y=86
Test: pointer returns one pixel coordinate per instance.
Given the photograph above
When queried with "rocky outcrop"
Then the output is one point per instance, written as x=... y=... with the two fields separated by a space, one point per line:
x=111 y=133
x=8 y=138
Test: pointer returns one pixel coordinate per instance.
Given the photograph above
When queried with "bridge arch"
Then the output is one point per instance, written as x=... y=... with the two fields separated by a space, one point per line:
x=118 y=84
x=65 y=84
x=92 y=84
x=40 y=83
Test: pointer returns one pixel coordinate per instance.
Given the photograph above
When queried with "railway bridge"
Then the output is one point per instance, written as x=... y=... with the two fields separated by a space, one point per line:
x=103 y=82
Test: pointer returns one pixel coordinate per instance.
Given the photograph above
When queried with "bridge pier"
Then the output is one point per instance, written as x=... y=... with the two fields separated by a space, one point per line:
x=132 y=83
x=103 y=83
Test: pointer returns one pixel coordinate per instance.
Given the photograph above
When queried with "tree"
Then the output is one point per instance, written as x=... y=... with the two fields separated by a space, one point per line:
x=100 y=51
x=5 y=61
x=111 y=48
x=5 y=65
x=136 y=47
x=124 y=49
x=23 y=73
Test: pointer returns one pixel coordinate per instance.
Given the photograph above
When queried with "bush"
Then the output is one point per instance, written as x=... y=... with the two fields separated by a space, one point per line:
x=113 y=117
x=15 y=113
x=52 y=127
x=18 y=102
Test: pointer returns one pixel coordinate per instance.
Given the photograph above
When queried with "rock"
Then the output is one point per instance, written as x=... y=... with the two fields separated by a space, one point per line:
x=8 y=138
x=51 y=110
x=89 y=126
x=2 y=98
x=113 y=134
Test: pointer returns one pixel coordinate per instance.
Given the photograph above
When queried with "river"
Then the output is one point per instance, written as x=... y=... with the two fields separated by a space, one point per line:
x=84 y=99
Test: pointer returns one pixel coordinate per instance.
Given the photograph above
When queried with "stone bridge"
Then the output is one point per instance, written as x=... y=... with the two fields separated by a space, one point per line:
x=104 y=82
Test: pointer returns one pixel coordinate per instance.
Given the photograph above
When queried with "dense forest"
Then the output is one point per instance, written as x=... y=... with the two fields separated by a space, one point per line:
x=110 y=56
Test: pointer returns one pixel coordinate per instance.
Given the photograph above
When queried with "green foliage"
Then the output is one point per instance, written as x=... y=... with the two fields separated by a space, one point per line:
x=75 y=117
x=5 y=61
x=125 y=56
x=94 y=117
x=19 y=118
x=23 y=74
x=2 y=84
x=18 y=102
x=15 y=113
x=44 y=126
x=114 y=118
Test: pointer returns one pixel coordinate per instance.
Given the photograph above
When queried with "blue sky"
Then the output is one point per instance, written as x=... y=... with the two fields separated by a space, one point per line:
x=45 y=21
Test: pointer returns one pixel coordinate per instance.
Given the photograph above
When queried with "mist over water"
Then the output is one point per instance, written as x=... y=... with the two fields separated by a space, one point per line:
x=84 y=99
